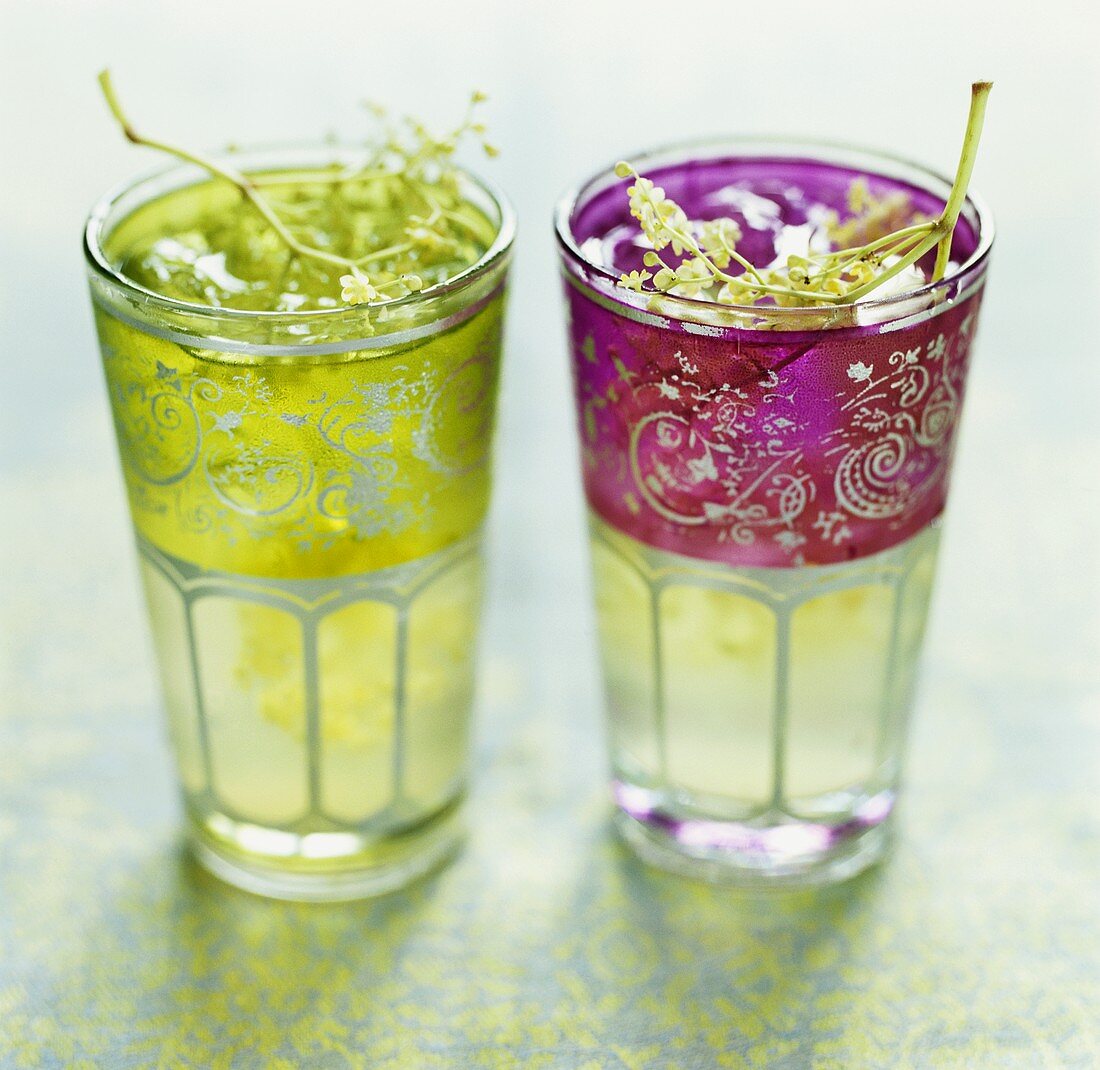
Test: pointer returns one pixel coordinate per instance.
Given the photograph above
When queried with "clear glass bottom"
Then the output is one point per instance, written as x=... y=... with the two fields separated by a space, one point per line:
x=757 y=716
x=775 y=855
x=320 y=727
x=323 y=866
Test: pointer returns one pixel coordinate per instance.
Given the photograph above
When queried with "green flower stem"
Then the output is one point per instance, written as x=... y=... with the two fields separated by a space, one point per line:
x=759 y=284
x=481 y=234
x=857 y=253
x=935 y=236
x=399 y=282
x=906 y=246
x=396 y=176
x=393 y=250
x=229 y=174
x=334 y=177
x=979 y=96
x=689 y=243
x=747 y=265
x=883 y=248
x=940 y=235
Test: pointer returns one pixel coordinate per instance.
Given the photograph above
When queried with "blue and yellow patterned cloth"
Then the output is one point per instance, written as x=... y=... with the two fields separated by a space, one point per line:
x=545 y=945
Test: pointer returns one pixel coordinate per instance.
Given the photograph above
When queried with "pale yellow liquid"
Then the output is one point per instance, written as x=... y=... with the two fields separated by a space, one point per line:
x=389 y=726
x=746 y=692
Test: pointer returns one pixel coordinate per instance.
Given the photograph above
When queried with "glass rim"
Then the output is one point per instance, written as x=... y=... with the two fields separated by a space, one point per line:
x=95 y=233
x=813 y=149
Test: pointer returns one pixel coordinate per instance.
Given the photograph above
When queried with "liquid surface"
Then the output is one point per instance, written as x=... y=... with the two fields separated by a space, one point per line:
x=205 y=244
x=781 y=204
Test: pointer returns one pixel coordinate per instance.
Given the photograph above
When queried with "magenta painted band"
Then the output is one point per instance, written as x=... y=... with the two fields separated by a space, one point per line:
x=767 y=453
x=773 y=448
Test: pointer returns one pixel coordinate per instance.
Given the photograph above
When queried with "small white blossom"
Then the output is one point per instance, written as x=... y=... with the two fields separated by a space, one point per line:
x=357 y=289
x=635 y=280
x=692 y=277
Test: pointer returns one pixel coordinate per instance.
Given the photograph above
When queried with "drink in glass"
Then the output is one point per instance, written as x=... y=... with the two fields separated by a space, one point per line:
x=765 y=488
x=308 y=482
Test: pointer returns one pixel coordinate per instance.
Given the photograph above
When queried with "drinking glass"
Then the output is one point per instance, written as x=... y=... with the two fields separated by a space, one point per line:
x=308 y=497
x=765 y=489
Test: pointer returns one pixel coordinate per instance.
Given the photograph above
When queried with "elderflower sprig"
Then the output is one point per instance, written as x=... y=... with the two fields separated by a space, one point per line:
x=408 y=166
x=358 y=289
x=882 y=238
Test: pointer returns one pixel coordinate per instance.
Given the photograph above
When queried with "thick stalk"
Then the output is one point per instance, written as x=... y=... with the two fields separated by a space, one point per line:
x=229 y=174
x=979 y=95
x=918 y=239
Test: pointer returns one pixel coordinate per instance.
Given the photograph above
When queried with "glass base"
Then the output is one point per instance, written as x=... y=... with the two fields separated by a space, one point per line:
x=323 y=867
x=785 y=852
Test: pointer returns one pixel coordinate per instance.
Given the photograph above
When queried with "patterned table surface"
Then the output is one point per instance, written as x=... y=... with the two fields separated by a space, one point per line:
x=546 y=945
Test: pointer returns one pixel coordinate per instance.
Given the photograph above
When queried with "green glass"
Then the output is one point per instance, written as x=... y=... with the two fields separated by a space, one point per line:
x=308 y=493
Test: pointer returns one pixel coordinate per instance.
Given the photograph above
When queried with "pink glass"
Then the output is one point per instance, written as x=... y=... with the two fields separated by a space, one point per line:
x=776 y=477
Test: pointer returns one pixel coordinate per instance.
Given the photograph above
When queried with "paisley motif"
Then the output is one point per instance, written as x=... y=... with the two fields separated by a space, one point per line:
x=158 y=430
x=938 y=416
x=305 y=470
x=253 y=481
x=460 y=404
x=673 y=466
x=870 y=479
x=754 y=450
